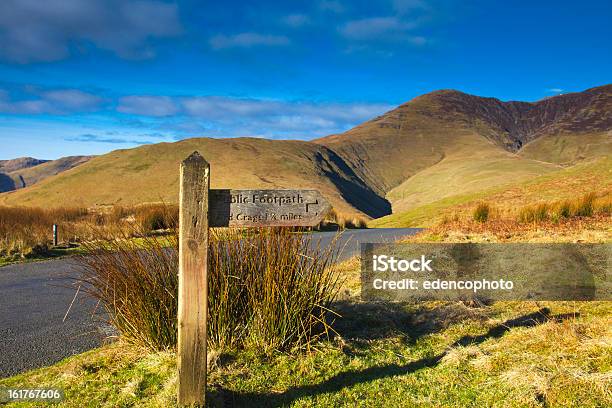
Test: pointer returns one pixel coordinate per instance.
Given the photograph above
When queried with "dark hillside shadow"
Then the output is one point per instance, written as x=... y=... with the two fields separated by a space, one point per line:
x=353 y=190
x=228 y=398
x=6 y=183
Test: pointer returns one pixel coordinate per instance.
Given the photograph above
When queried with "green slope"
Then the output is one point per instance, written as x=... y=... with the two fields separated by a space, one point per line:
x=569 y=148
x=593 y=175
x=466 y=170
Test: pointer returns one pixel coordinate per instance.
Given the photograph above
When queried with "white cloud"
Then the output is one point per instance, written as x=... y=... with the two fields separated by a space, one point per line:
x=215 y=107
x=331 y=5
x=375 y=28
x=554 y=90
x=246 y=40
x=228 y=117
x=272 y=118
x=49 y=30
x=148 y=105
x=296 y=20
x=95 y=138
x=59 y=101
x=197 y=115
x=73 y=99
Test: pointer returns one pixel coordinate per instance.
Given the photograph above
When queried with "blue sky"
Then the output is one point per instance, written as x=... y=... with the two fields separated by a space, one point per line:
x=91 y=76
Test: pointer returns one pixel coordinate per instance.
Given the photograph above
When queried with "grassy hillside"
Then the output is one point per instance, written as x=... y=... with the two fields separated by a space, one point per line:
x=467 y=170
x=447 y=147
x=593 y=175
x=417 y=135
x=569 y=148
x=150 y=174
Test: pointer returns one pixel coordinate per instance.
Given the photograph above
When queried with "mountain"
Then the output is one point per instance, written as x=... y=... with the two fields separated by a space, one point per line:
x=442 y=117
x=23 y=172
x=434 y=147
x=447 y=142
x=7 y=166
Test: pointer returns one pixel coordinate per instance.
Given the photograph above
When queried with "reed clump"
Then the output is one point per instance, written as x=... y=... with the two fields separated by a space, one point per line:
x=537 y=213
x=268 y=290
x=481 y=212
x=154 y=217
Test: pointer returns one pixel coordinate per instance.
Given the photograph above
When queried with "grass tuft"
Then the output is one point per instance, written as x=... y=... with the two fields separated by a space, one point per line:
x=338 y=220
x=154 y=217
x=584 y=206
x=481 y=212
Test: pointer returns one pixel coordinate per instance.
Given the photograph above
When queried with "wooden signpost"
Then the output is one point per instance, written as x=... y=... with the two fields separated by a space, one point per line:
x=201 y=208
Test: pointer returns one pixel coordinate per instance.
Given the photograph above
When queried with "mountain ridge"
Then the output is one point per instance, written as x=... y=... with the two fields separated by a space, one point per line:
x=26 y=171
x=443 y=121
x=19 y=163
x=456 y=142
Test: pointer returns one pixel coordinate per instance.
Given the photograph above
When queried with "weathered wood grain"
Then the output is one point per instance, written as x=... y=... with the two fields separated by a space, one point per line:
x=193 y=279
x=266 y=208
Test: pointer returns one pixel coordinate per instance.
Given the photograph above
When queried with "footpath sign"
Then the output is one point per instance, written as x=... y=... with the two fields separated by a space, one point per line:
x=201 y=208
x=266 y=208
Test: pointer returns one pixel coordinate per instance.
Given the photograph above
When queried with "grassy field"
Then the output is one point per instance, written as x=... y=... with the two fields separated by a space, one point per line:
x=509 y=354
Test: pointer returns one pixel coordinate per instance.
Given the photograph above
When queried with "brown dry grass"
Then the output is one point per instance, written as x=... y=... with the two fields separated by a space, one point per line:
x=583 y=215
x=338 y=219
x=583 y=229
x=27 y=230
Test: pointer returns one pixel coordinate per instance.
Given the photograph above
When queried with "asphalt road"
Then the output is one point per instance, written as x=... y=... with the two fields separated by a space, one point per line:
x=37 y=331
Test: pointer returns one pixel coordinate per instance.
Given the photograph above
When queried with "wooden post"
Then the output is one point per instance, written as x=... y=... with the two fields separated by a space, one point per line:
x=55 y=235
x=193 y=279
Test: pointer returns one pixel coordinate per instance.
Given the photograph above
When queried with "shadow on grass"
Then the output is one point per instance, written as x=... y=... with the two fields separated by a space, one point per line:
x=229 y=398
x=379 y=320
